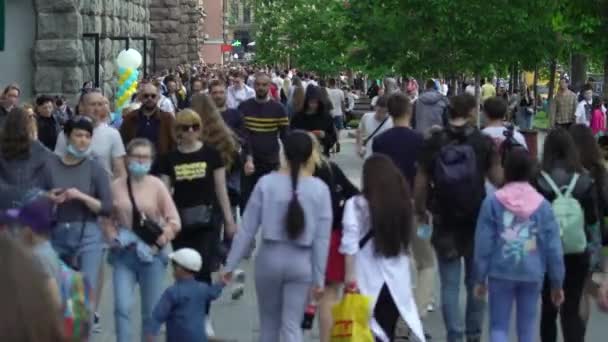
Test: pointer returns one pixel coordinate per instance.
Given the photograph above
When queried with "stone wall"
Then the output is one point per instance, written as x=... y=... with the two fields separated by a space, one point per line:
x=176 y=26
x=64 y=60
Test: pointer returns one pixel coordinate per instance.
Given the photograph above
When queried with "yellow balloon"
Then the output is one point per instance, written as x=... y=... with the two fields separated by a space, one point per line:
x=125 y=76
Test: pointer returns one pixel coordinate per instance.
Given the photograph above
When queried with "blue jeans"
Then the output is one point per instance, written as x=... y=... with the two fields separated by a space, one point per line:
x=127 y=271
x=502 y=295
x=84 y=248
x=450 y=271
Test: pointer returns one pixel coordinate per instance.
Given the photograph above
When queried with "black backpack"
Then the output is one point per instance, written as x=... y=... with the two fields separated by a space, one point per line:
x=458 y=183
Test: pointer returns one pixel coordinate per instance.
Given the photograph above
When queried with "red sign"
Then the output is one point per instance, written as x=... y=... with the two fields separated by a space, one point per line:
x=226 y=47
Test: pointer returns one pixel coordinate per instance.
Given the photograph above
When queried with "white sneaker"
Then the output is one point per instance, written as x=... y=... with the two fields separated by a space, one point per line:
x=209 y=327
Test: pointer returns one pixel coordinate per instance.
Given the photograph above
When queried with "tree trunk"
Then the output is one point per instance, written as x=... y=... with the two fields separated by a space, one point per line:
x=579 y=71
x=478 y=97
x=535 y=87
x=605 y=85
x=552 y=71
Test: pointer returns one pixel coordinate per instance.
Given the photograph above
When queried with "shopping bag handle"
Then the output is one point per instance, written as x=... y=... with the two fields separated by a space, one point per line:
x=352 y=287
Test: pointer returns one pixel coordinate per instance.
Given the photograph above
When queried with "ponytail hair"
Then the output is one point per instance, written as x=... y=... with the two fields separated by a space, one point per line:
x=298 y=149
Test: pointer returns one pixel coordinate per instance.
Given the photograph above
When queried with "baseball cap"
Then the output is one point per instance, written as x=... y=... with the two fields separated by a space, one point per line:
x=36 y=214
x=187 y=258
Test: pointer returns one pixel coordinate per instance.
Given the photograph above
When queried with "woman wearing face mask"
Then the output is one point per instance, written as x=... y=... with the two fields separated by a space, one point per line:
x=316 y=119
x=133 y=261
x=81 y=190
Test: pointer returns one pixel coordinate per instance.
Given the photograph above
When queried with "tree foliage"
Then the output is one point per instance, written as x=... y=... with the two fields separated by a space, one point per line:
x=448 y=37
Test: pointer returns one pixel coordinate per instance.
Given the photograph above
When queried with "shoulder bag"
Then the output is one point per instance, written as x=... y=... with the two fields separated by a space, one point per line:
x=147 y=230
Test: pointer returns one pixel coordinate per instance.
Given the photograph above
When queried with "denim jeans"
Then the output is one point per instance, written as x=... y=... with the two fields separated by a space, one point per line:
x=85 y=248
x=450 y=273
x=128 y=270
x=502 y=295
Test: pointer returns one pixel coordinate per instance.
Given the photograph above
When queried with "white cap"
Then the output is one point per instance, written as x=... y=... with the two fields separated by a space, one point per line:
x=187 y=258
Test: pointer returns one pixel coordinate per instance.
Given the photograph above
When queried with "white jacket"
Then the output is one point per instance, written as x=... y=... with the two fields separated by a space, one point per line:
x=373 y=271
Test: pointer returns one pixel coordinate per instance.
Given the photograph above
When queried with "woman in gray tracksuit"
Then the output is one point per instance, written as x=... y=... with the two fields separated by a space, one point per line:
x=294 y=211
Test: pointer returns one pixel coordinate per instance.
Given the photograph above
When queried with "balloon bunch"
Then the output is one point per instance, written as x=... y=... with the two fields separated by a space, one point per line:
x=128 y=61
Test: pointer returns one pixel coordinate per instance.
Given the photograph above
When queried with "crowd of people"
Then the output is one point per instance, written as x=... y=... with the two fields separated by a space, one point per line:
x=200 y=149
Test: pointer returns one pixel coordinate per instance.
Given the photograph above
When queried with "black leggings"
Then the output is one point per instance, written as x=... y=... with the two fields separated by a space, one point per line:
x=386 y=313
x=573 y=326
x=206 y=241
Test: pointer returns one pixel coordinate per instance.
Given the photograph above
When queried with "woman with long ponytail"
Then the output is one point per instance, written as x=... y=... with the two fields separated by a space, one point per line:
x=293 y=210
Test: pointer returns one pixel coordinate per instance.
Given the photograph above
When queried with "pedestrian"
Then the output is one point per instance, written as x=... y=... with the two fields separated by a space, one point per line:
x=378 y=226
x=150 y=122
x=403 y=145
x=495 y=110
x=598 y=117
x=216 y=133
x=458 y=190
x=517 y=242
x=195 y=164
x=315 y=118
x=294 y=211
x=487 y=89
x=25 y=296
x=182 y=305
x=591 y=158
x=48 y=126
x=584 y=109
x=430 y=110
x=563 y=170
x=33 y=230
x=565 y=105
x=107 y=145
x=80 y=187
x=297 y=96
x=340 y=189
x=239 y=92
x=62 y=111
x=371 y=125
x=137 y=197
x=265 y=122
x=24 y=161
x=523 y=117
x=8 y=101
x=175 y=93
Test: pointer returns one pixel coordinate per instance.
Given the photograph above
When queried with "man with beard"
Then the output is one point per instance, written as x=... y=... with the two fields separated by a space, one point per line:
x=149 y=122
x=232 y=116
x=265 y=121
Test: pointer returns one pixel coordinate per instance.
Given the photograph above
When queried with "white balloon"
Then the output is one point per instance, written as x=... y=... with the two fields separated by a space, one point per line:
x=129 y=59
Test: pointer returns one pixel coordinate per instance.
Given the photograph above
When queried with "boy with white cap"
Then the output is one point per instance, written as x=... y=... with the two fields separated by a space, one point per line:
x=182 y=305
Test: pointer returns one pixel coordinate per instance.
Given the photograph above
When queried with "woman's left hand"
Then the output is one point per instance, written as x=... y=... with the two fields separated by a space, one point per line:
x=230 y=229
x=316 y=293
x=73 y=194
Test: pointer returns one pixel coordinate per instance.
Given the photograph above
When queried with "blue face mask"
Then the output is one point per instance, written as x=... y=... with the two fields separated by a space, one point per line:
x=78 y=154
x=137 y=169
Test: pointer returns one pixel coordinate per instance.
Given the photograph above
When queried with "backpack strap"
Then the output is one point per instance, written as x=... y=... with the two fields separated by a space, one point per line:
x=552 y=184
x=572 y=184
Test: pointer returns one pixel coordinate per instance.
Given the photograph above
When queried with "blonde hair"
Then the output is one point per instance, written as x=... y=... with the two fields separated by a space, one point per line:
x=32 y=124
x=214 y=130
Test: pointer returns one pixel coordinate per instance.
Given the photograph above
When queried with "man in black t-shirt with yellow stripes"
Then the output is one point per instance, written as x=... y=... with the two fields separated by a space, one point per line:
x=265 y=121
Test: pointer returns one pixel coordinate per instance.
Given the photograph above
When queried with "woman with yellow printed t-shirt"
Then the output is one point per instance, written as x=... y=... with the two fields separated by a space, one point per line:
x=196 y=174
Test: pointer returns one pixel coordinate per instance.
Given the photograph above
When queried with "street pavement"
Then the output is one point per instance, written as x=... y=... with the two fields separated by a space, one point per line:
x=238 y=320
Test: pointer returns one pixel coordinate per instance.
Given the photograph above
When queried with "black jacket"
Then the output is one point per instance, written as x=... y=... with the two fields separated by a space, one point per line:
x=317 y=122
x=340 y=189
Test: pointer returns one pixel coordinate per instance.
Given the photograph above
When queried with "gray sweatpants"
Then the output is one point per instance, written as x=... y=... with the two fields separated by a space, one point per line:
x=283 y=279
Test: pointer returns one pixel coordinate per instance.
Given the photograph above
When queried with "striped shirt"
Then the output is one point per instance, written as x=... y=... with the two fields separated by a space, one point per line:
x=565 y=107
x=264 y=123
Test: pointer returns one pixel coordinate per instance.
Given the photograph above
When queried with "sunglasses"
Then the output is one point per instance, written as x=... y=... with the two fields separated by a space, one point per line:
x=187 y=128
x=149 y=96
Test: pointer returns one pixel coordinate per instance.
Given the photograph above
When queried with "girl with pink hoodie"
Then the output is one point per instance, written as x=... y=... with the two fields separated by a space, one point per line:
x=517 y=242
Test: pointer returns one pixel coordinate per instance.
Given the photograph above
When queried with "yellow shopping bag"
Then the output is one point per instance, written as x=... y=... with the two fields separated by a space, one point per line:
x=351 y=319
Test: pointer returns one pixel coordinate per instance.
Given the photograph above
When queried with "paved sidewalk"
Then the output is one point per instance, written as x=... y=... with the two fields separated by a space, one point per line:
x=238 y=320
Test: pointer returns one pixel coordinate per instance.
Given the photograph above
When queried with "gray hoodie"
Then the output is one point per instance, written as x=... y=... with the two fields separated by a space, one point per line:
x=21 y=177
x=430 y=110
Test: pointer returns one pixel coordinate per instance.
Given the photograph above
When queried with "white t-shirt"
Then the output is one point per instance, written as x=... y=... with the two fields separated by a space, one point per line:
x=497 y=134
x=368 y=125
x=106 y=144
x=166 y=105
x=336 y=96
x=581 y=113
x=234 y=96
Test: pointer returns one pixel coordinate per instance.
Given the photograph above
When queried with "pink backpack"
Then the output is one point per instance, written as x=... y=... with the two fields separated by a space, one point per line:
x=598 y=121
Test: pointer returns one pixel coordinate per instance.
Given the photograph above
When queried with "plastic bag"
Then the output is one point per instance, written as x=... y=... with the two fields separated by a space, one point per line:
x=351 y=319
